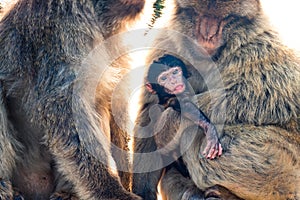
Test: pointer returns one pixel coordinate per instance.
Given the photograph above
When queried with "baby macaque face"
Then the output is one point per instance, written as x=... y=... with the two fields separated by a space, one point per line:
x=172 y=80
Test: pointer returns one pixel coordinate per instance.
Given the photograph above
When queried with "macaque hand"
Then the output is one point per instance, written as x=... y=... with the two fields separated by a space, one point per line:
x=213 y=147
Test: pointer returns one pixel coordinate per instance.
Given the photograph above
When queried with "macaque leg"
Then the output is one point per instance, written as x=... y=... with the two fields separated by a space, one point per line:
x=177 y=187
x=220 y=192
x=174 y=186
x=258 y=163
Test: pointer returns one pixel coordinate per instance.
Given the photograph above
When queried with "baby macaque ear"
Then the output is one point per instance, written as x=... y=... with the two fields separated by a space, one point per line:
x=149 y=88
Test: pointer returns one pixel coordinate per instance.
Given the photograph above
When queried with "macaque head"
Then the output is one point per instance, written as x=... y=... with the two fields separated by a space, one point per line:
x=212 y=23
x=166 y=76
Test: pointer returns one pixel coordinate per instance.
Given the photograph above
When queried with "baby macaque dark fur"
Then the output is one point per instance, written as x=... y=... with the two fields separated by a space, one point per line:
x=166 y=78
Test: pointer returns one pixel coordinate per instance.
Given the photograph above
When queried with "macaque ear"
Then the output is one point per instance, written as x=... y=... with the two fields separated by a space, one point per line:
x=149 y=88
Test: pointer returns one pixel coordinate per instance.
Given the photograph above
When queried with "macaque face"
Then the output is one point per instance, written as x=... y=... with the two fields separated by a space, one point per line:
x=172 y=80
x=212 y=22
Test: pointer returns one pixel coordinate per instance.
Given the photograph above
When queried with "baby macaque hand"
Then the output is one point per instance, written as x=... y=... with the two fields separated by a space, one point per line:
x=213 y=147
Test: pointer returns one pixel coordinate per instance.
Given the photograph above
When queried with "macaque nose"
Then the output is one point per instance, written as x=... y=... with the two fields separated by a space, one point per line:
x=209 y=27
x=209 y=33
x=173 y=79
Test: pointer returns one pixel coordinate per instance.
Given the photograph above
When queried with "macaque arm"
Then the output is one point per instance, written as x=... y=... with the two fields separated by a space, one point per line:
x=190 y=110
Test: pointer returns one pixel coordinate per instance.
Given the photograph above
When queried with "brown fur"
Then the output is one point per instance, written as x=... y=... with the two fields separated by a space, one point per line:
x=257 y=101
x=51 y=144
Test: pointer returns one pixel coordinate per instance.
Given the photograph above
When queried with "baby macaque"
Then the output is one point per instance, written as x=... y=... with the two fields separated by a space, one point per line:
x=166 y=78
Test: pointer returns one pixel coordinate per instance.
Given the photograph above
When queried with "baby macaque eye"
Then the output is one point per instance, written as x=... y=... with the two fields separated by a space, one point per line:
x=176 y=71
x=163 y=78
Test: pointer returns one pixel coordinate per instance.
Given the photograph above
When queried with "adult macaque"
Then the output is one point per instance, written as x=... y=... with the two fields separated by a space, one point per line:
x=166 y=78
x=252 y=95
x=54 y=140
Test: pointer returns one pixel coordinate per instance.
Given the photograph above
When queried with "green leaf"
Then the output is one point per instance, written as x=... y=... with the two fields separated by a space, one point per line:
x=158 y=7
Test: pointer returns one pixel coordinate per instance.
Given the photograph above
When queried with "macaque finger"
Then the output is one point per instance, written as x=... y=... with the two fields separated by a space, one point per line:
x=216 y=152
x=206 y=150
x=220 y=150
x=212 y=152
x=209 y=151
